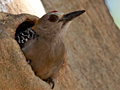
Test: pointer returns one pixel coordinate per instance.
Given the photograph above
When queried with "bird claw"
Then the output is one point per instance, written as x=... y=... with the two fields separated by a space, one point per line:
x=51 y=81
x=28 y=61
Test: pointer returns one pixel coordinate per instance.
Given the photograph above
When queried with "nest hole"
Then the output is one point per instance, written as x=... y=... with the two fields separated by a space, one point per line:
x=23 y=26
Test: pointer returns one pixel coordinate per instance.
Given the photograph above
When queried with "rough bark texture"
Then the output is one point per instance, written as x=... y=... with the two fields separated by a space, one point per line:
x=15 y=73
x=92 y=44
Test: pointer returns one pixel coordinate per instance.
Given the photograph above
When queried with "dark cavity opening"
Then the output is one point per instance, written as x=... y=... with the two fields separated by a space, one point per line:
x=23 y=26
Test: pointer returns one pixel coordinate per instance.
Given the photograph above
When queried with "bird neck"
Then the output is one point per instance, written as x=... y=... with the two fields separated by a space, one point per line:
x=52 y=38
x=51 y=35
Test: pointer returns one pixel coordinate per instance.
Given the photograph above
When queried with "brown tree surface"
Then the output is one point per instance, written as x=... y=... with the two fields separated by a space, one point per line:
x=92 y=44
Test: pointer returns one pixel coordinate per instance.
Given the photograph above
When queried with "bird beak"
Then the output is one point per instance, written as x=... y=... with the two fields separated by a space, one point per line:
x=70 y=16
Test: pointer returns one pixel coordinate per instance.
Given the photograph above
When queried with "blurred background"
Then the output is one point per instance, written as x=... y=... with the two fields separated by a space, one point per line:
x=114 y=6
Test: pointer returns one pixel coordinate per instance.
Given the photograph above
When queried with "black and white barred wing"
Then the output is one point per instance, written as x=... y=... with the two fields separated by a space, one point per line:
x=24 y=36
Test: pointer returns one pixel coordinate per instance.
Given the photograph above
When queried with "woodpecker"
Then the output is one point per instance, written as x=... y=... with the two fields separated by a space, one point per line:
x=43 y=44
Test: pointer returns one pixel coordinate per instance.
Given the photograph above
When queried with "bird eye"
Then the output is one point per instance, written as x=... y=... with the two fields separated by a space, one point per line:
x=53 y=18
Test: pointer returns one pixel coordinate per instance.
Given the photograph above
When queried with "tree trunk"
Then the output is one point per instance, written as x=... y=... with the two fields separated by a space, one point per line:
x=92 y=43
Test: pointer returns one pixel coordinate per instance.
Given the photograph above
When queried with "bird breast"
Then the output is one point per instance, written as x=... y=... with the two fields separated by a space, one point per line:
x=46 y=57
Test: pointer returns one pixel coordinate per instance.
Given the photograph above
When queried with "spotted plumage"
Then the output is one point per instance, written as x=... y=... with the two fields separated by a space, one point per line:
x=24 y=36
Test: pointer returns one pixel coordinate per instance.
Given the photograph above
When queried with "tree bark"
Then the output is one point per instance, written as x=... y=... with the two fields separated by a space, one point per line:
x=92 y=43
x=15 y=73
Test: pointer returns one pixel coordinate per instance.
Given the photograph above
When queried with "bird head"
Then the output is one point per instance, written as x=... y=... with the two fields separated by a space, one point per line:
x=55 y=23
